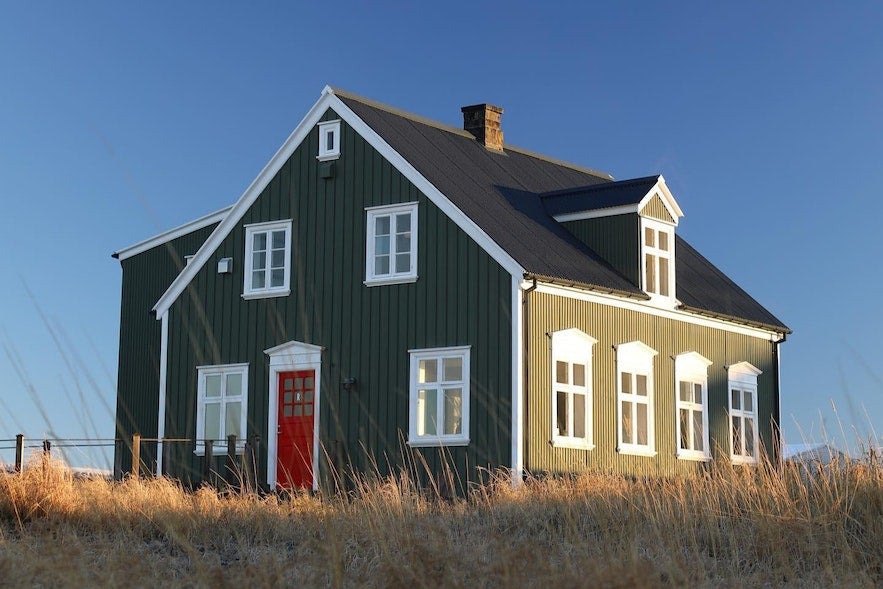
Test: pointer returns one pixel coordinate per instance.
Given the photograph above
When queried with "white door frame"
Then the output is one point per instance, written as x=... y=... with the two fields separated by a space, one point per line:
x=289 y=357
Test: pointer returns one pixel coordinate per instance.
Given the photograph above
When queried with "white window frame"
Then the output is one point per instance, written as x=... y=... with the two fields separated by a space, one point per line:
x=392 y=277
x=743 y=377
x=635 y=358
x=653 y=290
x=223 y=370
x=248 y=292
x=572 y=346
x=326 y=153
x=439 y=439
x=692 y=368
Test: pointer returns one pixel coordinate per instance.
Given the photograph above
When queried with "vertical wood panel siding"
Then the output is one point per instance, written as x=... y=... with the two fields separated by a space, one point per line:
x=146 y=276
x=612 y=326
x=614 y=238
x=656 y=209
x=462 y=297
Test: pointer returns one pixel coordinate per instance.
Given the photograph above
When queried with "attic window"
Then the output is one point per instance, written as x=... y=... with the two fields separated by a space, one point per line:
x=329 y=140
x=657 y=262
x=267 y=255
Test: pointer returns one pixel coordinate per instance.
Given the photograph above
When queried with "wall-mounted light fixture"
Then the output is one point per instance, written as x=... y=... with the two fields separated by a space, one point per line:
x=349 y=384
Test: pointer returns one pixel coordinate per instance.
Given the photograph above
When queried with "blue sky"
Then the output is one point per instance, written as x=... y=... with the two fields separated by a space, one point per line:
x=118 y=122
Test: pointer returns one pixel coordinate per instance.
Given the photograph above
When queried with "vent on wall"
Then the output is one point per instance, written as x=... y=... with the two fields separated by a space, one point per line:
x=225 y=265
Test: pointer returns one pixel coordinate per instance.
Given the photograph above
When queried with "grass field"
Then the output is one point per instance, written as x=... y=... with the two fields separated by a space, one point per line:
x=746 y=527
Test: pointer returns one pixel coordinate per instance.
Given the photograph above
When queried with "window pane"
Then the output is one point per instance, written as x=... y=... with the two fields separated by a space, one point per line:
x=259 y=241
x=698 y=443
x=381 y=265
x=403 y=263
x=685 y=429
x=288 y=397
x=329 y=141
x=298 y=410
x=277 y=259
x=234 y=413
x=749 y=437
x=234 y=385
x=381 y=245
x=453 y=411
x=213 y=385
x=736 y=399
x=258 y=279
x=649 y=237
x=641 y=381
x=403 y=243
x=453 y=369
x=737 y=436
x=697 y=393
x=684 y=391
x=650 y=273
x=309 y=382
x=579 y=375
x=579 y=416
x=426 y=412
x=626 y=382
x=626 y=422
x=663 y=240
x=427 y=371
x=403 y=223
x=278 y=240
x=381 y=225
x=277 y=277
x=299 y=383
x=747 y=401
x=561 y=414
x=212 y=429
x=663 y=276
x=286 y=411
x=561 y=372
x=259 y=260
x=643 y=425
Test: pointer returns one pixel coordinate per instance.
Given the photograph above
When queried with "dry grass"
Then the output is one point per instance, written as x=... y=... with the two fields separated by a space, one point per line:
x=733 y=528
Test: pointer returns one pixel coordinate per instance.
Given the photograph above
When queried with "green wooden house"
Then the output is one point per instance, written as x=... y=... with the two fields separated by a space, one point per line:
x=392 y=291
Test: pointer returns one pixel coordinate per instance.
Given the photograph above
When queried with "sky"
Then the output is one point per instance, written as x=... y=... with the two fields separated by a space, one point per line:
x=120 y=121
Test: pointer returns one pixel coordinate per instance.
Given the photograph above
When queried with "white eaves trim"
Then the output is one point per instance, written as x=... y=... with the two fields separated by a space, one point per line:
x=329 y=100
x=659 y=188
x=166 y=236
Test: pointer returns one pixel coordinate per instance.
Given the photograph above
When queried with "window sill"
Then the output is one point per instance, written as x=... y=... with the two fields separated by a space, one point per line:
x=328 y=158
x=391 y=280
x=437 y=442
x=219 y=449
x=743 y=460
x=573 y=444
x=636 y=450
x=266 y=295
x=695 y=456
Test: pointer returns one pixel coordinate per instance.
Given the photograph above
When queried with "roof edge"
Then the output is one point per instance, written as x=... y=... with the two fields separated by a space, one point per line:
x=783 y=329
x=166 y=236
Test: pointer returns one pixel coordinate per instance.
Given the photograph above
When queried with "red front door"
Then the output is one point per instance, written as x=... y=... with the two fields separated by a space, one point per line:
x=297 y=397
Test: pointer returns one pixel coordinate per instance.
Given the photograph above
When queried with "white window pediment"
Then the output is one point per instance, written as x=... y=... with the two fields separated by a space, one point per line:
x=294 y=353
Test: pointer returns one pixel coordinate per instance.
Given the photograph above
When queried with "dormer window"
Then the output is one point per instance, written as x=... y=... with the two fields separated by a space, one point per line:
x=658 y=263
x=329 y=140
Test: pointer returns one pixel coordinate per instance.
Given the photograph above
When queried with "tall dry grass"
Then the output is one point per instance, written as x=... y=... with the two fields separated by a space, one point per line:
x=734 y=527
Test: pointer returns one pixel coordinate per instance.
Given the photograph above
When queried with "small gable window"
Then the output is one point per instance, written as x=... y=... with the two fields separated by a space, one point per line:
x=658 y=258
x=572 y=389
x=267 y=259
x=634 y=367
x=329 y=140
x=391 y=248
x=222 y=398
x=439 y=397
x=744 y=440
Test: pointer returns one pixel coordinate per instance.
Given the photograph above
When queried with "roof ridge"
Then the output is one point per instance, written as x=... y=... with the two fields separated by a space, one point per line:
x=463 y=133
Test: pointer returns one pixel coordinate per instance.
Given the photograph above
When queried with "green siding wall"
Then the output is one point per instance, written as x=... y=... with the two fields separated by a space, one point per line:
x=146 y=276
x=462 y=297
x=656 y=210
x=612 y=326
x=613 y=238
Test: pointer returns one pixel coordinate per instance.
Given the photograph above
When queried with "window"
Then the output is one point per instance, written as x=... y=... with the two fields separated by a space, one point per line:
x=329 y=141
x=392 y=244
x=267 y=259
x=221 y=404
x=439 y=397
x=634 y=362
x=691 y=377
x=744 y=440
x=658 y=262
x=572 y=388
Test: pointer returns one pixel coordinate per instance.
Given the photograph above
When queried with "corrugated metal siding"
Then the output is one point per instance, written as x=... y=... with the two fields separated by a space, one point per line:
x=146 y=276
x=462 y=297
x=614 y=238
x=656 y=209
x=612 y=326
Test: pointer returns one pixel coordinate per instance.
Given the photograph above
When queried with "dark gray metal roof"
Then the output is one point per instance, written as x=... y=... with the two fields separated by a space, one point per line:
x=501 y=194
x=598 y=196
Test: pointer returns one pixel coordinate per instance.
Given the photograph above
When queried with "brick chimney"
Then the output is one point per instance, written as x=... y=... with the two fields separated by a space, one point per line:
x=483 y=121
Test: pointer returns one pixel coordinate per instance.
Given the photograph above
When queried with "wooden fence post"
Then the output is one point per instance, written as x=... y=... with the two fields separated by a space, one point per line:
x=117 y=459
x=232 y=468
x=47 y=448
x=19 y=451
x=136 y=455
x=208 y=458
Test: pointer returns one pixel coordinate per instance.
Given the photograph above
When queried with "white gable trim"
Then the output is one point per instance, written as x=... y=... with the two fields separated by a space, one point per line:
x=326 y=101
x=166 y=236
x=666 y=197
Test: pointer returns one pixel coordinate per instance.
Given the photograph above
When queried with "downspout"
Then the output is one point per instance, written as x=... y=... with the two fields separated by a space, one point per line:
x=525 y=318
x=777 y=401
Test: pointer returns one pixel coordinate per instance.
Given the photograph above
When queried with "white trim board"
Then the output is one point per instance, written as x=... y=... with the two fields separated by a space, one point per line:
x=163 y=371
x=166 y=236
x=645 y=307
x=329 y=100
